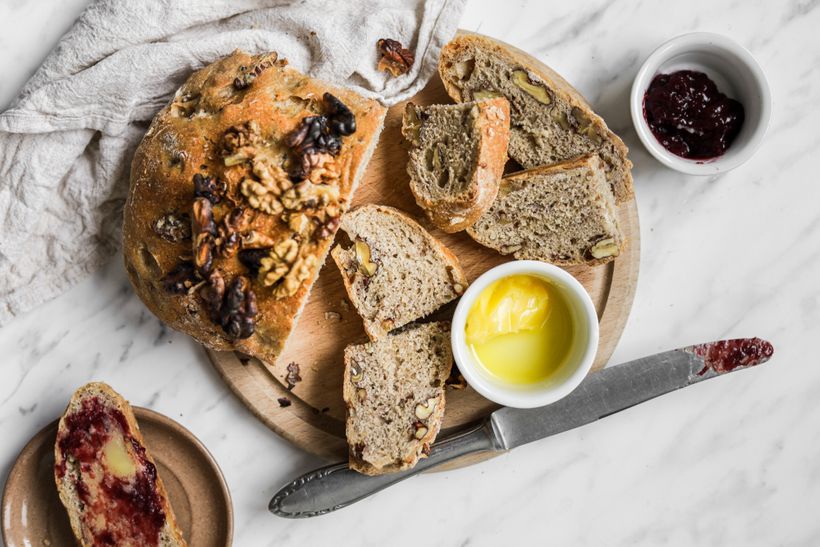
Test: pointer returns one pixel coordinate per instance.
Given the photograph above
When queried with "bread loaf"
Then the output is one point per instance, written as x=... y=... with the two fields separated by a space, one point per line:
x=550 y=120
x=563 y=213
x=394 y=271
x=106 y=477
x=236 y=193
x=394 y=392
x=457 y=156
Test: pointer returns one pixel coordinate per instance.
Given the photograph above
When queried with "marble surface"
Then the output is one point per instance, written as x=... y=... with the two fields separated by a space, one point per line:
x=733 y=461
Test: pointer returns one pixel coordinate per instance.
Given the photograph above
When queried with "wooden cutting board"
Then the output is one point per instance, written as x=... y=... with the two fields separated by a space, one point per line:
x=314 y=419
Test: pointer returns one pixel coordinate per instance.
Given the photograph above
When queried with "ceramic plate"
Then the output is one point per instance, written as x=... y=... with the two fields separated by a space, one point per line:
x=34 y=516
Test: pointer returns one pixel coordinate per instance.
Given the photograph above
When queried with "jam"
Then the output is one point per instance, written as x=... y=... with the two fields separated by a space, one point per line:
x=727 y=355
x=130 y=506
x=690 y=117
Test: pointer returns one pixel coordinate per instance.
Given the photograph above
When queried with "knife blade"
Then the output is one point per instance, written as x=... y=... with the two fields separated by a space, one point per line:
x=600 y=395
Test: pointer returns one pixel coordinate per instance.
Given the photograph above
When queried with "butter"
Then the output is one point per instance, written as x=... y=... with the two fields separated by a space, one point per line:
x=520 y=329
x=117 y=459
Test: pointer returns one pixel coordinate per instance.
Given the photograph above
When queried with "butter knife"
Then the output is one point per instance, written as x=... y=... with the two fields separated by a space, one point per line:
x=599 y=395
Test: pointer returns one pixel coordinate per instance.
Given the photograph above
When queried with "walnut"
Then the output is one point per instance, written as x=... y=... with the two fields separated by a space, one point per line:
x=208 y=187
x=395 y=58
x=181 y=279
x=238 y=309
x=319 y=135
x=300 y=271
x=203 y=230
x=173 y=227
x=293 y=376
x=307 y=195
x=212 y=294
x=239 y=142
x=252 y=258
x=259 y=197
x=278 y=263
x=247 y=76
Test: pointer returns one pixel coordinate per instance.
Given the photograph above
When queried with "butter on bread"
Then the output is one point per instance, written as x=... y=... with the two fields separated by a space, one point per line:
x=106 y=477
x=235 y=197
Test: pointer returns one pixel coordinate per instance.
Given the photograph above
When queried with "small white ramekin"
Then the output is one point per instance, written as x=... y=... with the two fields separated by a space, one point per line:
x=572 y=372
x=736 y=74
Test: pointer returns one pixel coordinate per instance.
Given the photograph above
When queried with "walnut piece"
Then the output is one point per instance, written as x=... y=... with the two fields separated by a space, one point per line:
x=537 y=91
x=424 y=411
x=395 y=58
x=363 y=256
x=604 y=248
x=173 y=227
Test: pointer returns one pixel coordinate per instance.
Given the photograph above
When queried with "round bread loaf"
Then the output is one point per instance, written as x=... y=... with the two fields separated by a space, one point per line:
x=236 y=193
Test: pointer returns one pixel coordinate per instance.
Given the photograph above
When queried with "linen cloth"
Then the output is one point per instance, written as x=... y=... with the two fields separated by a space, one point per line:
x=67 y=140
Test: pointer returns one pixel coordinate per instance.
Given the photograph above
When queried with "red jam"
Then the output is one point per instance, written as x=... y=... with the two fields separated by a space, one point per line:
x=690 y=117
x=131 y=507
x=727 y=355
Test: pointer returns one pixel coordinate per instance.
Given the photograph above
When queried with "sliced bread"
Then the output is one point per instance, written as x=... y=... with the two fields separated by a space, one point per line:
x=394 y=392
x=106 y=478
x=563 y=213
x=550 y=120
x=457 y=156
x=395 y=272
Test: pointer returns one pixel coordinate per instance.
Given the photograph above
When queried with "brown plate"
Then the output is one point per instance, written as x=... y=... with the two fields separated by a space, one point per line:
x=312 y=414
x=34 y=516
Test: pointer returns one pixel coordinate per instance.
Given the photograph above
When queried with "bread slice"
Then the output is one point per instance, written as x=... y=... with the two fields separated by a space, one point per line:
x=395 y=272
x=457 y=156
x=563 y=213
x=394 y=392
x=268 y=162
x=106 y=478
x=550 y=120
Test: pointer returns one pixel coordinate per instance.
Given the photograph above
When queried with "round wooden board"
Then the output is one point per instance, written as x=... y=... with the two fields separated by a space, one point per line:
x=315 y=419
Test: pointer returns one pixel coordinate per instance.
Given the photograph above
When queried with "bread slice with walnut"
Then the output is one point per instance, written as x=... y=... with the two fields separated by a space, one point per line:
x=106 y=478
x=394 y=392
x=563 y=213
x=395 y=272
x=457 y=156
x=550 y=120
x=236 y=193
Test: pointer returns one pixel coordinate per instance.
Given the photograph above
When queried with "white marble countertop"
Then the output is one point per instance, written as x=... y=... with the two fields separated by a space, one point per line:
x=735 y=461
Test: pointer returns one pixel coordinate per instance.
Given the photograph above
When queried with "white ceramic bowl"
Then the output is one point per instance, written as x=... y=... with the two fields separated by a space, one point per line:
x=736 y=74
x=572 y=371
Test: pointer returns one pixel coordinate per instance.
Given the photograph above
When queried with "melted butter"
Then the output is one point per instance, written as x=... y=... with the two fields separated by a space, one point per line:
x=520 y=329
x=117 y=458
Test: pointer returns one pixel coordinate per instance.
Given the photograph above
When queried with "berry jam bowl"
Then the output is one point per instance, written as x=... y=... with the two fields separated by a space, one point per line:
x=719 y=73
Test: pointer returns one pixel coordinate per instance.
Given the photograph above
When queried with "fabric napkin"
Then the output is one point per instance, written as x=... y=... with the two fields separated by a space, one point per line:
x=67 y=140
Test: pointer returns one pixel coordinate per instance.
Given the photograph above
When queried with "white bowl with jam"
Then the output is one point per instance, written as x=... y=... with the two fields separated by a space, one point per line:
x=525 y=334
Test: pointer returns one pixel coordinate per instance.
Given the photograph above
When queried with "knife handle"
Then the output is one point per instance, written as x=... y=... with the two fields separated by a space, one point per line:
x=335 y=486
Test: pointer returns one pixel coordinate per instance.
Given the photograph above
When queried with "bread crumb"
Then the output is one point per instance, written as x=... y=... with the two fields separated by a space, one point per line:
x=333 y=316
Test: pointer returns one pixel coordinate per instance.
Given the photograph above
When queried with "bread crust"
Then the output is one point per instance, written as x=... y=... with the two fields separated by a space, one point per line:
x=181 y=143
x=456 y=214
x=591 y=161
x=464 y=40
x=99 y=389
x=373 y=331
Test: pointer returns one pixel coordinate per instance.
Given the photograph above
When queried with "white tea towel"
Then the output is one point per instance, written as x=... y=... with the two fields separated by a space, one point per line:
x=66 y=142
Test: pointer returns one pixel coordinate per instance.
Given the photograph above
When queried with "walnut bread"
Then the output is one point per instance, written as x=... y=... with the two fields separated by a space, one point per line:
x=457 y=156
x=106 y=478
x=550 y=120
x=394 y=392
x=394 y=271
x=236 y=194
x=563 y=213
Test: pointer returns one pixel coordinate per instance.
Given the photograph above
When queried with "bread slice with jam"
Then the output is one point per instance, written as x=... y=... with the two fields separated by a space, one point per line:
x=106 y=478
